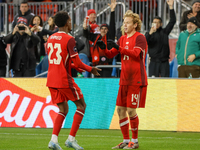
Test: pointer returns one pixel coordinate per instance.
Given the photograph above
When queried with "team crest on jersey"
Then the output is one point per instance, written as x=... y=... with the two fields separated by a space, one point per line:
x=75 y=49
x=103 y=58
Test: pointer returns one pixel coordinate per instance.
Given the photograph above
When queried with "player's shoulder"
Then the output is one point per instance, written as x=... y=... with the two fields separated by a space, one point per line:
x=140 y=35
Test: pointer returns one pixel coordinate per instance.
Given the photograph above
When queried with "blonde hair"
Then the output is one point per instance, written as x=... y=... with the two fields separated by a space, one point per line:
x=136 y=19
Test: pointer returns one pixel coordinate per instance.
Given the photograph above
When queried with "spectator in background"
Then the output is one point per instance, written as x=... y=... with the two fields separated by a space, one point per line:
x=52 y=25
x=158 y=44
x=23 y=14
x=36 y=25
x=22 y=54
x=44 y=65
x=106 y=32
x=84 y=53
x=3 y=58
x=188 y=50
x=91 y=14
x=194 y=12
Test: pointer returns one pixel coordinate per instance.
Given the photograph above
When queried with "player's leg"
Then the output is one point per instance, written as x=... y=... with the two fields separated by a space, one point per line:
x=78 y=116
x=63 y=110
x=123 y=119
x=58 y=98
x=134 y=122
x=136 y=99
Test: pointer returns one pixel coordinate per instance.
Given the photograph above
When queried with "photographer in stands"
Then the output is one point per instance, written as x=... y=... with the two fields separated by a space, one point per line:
x=22 y=54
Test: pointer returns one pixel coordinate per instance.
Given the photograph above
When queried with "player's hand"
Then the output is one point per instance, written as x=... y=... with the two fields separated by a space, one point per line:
x=101 y=44
x=111 y=44
x=95 y=71
x=191 y=58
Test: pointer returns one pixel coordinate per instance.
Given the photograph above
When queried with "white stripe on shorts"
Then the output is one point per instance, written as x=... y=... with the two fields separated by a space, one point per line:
x=138 y=100
x=76 y=93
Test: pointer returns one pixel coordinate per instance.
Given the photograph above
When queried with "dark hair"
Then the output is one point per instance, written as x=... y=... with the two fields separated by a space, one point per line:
x=52 y=27
x=24 y=2
x=61 y=18
x=31 y=22
x=159 y=18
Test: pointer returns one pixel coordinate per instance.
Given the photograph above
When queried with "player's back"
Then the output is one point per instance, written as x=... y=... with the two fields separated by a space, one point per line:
x=59 y=72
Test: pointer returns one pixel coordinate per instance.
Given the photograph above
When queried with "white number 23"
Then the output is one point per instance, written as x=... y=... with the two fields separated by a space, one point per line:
x=57 y=60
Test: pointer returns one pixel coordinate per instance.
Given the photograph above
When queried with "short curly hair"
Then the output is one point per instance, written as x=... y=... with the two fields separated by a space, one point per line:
x=136 y=19
x=61 y=18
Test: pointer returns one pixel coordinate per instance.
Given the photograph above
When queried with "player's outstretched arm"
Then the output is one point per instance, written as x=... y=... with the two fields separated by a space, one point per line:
x=95 y=71
x=111 y=53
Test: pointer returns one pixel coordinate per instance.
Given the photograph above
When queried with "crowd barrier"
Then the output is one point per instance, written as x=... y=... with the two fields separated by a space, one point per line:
x=171 y=105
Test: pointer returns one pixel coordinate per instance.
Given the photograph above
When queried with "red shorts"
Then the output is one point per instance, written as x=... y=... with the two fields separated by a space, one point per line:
x=131 y=96
x=59 y=95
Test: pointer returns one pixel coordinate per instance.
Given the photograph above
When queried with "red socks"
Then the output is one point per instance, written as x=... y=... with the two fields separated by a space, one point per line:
x=124 y=125
x=78 y=116
x=134 y=121
x=58 y=123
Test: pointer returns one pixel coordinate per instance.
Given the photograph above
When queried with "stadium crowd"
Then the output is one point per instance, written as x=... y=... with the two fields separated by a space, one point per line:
x=28 y=51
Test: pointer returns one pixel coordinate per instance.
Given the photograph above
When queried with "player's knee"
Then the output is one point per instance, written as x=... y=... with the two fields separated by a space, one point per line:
x=121 y=112
x=82 y=107
x=65 y=111
x=131 y=112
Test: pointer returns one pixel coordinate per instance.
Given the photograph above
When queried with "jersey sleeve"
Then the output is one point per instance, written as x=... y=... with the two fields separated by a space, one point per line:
x=113 y=52
x=71 y=47
x=140 y=45
x=79 y=65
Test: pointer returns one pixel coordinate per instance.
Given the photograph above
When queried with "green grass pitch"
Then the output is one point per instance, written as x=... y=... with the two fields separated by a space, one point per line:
x=37 y=139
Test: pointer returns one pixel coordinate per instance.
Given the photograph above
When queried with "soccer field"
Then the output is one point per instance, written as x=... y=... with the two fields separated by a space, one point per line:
x=32 y=138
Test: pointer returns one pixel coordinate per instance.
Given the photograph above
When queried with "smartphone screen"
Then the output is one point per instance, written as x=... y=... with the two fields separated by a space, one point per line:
x=153 y=25
x=21 y=27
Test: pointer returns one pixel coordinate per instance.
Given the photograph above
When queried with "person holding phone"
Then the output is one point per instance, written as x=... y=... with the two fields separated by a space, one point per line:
x=158 y=44
x=36 y=26
x=22 y=55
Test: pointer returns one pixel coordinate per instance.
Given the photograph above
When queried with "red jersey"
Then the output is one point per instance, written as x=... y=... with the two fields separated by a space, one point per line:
x=133 y=53
x=61 y=52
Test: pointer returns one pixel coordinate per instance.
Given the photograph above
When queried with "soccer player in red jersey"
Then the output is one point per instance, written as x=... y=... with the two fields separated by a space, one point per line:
x=133 y=78
x=61 y=53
